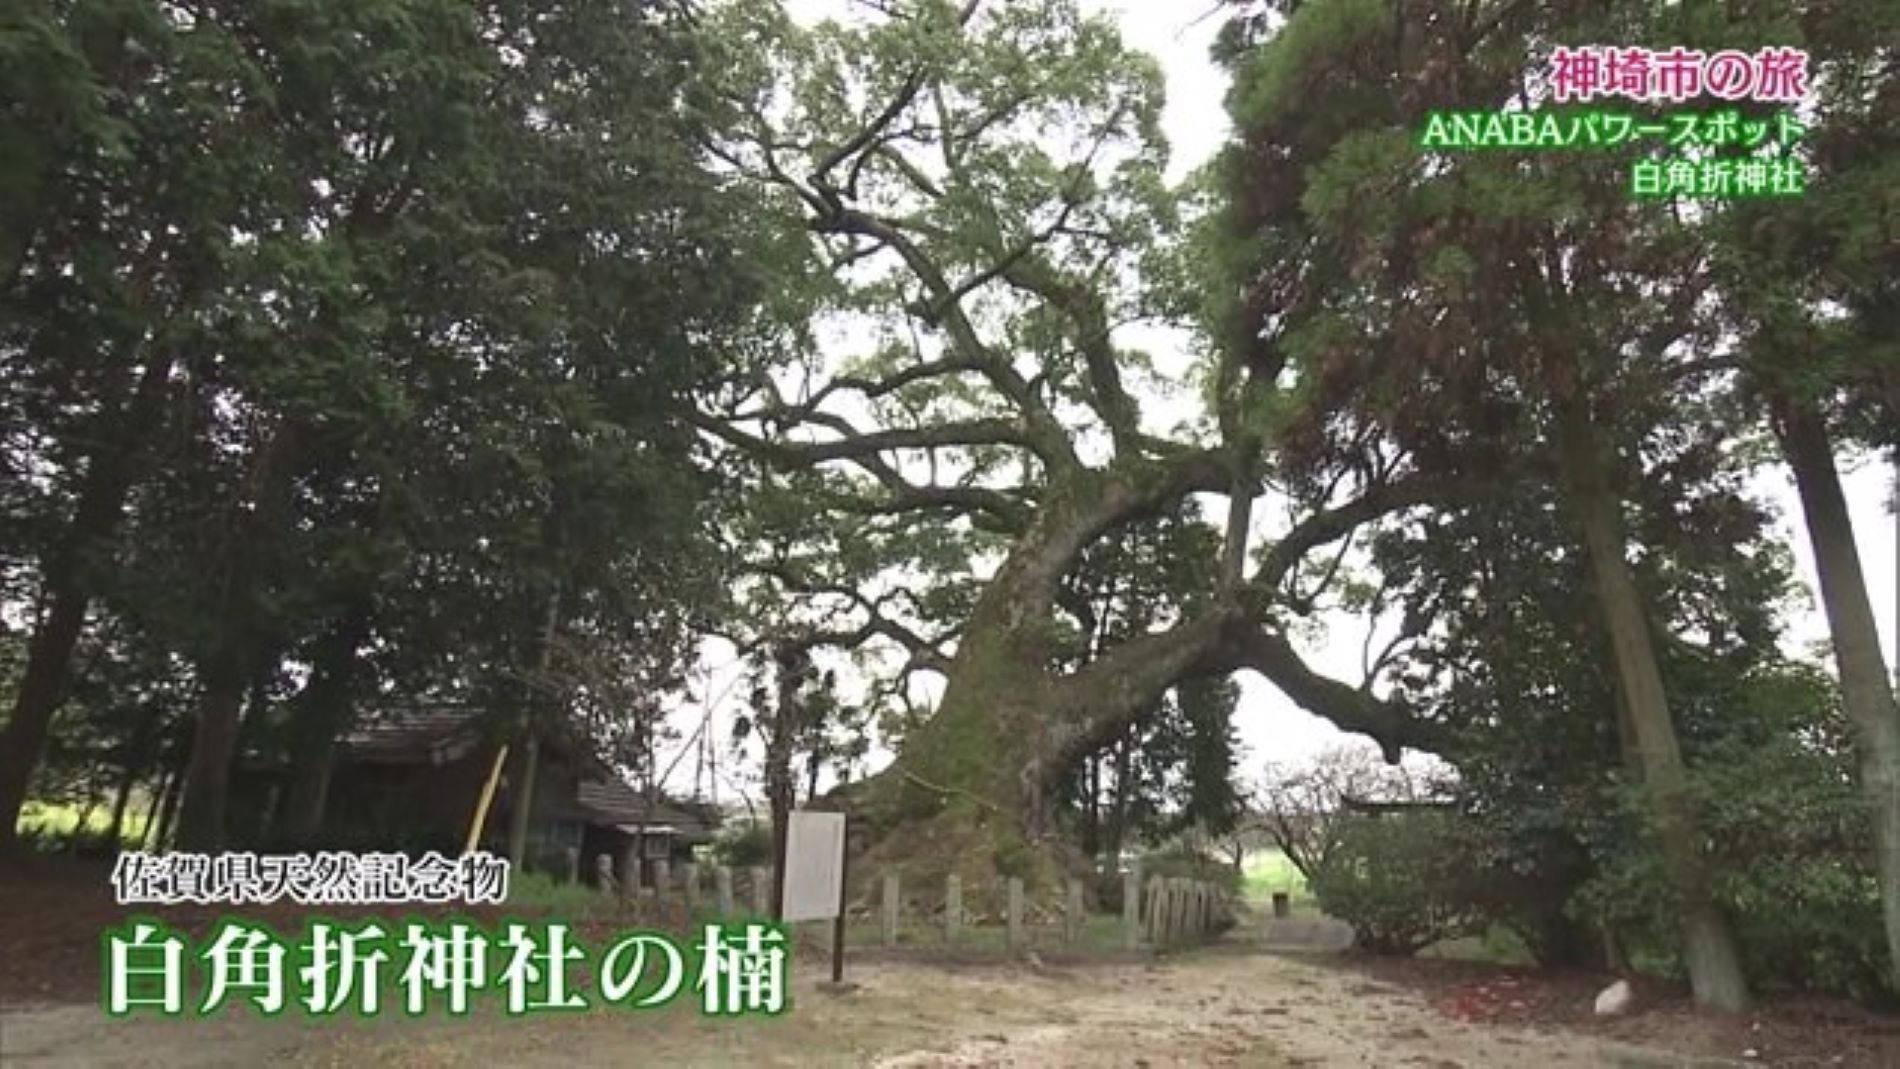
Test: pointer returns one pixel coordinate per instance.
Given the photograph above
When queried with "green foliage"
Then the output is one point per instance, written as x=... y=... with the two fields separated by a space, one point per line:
x=744 y=844
x=1399 y=880
x=1172 y=769
x=1442 y=310
x=1774 y=783
x=421 y=290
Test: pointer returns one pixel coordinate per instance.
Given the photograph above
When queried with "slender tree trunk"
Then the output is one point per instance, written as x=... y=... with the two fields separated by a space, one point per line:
x=1865 y=690
x=1118 y=818
x=168 y=810
x=115 y=831
x=201 y=817
x=139 y=753
x=154 y=813
x=1709 y=949
x=243 y=634
x=521 y=800
x=521 y=811
x=86 y=811
x=779 y=788
x=324 y=712
x=96 y=519
x=1092 y=807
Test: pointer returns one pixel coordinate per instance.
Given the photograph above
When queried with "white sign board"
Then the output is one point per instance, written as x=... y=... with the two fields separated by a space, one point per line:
x=814 y=865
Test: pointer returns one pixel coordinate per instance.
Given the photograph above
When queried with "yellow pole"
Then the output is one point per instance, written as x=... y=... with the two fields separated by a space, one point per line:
x=481 y=806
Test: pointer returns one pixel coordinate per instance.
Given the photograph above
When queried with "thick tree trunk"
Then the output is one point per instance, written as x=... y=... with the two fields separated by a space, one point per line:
x=965 y=793
x=1865 y=689
x=96 y=519
x=970 y=791
x=1709 y=949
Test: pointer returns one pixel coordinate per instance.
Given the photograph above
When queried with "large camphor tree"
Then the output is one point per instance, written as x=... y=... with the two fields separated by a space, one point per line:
x=983 y=186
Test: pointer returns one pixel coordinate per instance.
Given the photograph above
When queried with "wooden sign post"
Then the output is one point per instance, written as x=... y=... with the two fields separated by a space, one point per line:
x=814 y=886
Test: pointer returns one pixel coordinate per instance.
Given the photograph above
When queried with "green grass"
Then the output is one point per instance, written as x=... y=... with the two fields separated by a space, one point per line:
x=541 y=893
x=59 y=820
x=1271 y=871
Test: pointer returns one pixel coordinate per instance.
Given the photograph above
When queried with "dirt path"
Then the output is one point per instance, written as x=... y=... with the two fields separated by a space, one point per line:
x=1218 y=1008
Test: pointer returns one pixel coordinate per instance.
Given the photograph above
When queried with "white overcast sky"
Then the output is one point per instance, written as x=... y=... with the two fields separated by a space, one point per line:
x=1271 y=727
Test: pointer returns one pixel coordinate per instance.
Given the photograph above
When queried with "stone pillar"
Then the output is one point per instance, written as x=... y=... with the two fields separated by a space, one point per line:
x=722 y=889
x=630 y=873
x=573 y=854
x=689 y=880
x=952 y=908
x=662 y=877
x=1131 y=910
x=1014 y=932
x=1074 y=917
x=761 y=890
x=890 y=909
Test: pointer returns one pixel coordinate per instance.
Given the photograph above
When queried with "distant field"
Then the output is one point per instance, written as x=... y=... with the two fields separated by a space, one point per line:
x=1269 y=871
x=58 y=819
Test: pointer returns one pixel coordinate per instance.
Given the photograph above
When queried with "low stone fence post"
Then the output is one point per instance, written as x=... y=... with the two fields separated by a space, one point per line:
x=1131 y=909
x=630 y=874
x=952 y=908
x=722 y=890
x=1073 y=917
x=761 y=890
x=890 y=909
x=1013 y=920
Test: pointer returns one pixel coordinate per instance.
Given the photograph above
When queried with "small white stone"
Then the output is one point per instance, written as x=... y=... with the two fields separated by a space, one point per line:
x=1614 y=999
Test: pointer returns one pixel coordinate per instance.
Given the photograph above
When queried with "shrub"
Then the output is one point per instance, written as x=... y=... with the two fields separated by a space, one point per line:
x=744 y=844
x=1793 y=870
x=1398 y=879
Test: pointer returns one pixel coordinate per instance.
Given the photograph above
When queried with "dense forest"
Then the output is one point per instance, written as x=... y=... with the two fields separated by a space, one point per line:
x=362 y=353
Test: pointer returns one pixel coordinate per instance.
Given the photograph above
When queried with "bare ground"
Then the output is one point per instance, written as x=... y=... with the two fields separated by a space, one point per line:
x=1208 y=1009
x=1232 y=1005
